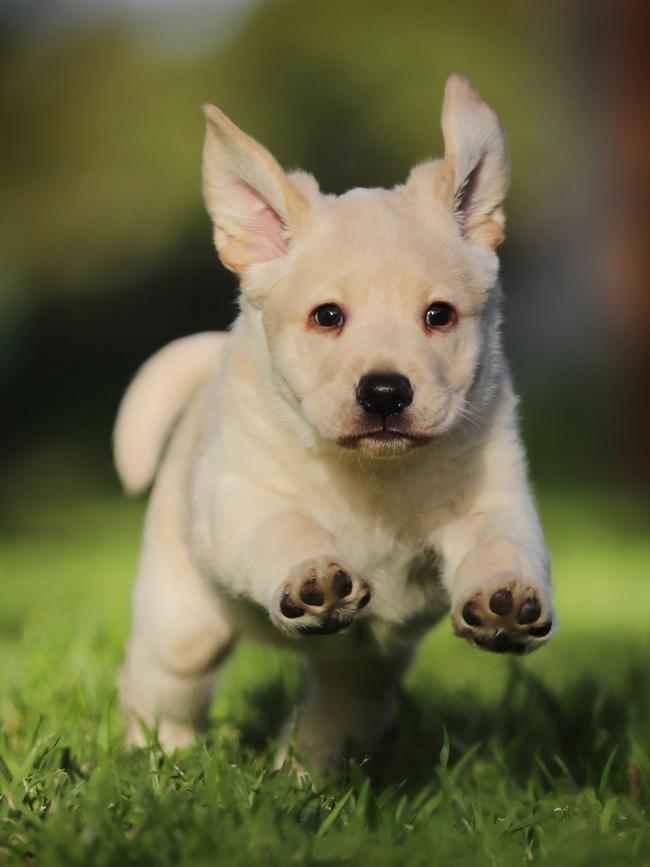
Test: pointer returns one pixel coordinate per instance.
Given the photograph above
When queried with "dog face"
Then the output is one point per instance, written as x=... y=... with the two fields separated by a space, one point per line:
x=377 y=307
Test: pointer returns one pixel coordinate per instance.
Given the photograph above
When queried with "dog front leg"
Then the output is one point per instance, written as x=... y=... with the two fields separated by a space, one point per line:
x=497 y=573
x=289 y=564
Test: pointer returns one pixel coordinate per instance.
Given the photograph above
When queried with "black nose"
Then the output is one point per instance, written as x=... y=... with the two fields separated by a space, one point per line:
x=384 y=394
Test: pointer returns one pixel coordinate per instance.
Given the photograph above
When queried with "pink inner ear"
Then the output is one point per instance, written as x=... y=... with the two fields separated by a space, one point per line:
x=265 y=228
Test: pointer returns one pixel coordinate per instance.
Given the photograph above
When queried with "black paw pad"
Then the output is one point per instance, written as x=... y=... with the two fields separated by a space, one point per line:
x=529 y=611
x=500 y=643
x=470 y=616
x=501 y=601
x=289 y=609
x=311 y=592
x=541 y=631
x=342 y=584
x=327 y=627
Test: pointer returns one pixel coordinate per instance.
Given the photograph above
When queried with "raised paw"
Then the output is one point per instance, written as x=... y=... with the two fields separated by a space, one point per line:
x=320 y=596
x=508 y=616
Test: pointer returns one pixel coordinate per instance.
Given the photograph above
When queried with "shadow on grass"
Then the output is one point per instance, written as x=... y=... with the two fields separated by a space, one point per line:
x=530 y=730
x=577 y=733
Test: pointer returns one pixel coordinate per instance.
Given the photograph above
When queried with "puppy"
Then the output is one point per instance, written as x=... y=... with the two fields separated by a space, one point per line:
x=345 y=465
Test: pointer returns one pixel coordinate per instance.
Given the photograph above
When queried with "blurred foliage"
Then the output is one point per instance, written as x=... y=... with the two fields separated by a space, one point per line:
x=105 y=248
x=102 y=131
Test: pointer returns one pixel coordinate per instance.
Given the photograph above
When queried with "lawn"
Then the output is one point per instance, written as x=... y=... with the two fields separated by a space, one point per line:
x=494 y=761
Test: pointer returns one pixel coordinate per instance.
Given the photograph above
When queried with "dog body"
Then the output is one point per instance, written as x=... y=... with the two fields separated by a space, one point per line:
x=347 y=464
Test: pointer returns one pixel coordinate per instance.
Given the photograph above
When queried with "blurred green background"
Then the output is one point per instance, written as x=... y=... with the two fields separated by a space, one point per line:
x=106 y=251
x=106 y=255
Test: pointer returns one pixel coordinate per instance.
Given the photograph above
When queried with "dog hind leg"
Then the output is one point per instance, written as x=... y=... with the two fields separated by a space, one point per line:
x=179 y=638
x=180 y=633
x=348 y=708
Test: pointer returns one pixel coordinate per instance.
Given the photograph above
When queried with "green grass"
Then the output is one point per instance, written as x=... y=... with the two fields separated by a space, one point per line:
x=493 y=762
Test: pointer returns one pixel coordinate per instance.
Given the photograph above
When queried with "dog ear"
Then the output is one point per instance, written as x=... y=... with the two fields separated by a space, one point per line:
x=475 y=167
x=254 y=207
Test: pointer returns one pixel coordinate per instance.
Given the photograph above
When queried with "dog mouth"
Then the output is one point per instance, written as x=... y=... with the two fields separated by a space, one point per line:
x=387 y=435
x=384 y=438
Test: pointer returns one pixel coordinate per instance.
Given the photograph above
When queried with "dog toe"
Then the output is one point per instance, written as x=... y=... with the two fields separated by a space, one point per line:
x=312 y=593
x=469 y=614
x=288 y=609
x=341 y=584
x=501 y=602
x=529 y=611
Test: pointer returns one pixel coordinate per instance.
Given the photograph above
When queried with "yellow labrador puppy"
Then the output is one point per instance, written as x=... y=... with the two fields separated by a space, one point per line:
x=345 y=465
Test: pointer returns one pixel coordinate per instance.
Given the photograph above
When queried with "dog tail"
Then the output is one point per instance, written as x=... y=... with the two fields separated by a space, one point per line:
x=154 y=400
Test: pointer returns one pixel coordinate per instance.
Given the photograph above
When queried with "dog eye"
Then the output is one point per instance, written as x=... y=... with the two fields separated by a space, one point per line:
x=328 y=316
x=440 y=315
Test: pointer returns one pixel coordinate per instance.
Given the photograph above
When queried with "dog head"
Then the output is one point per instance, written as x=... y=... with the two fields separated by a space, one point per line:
x=377 y=308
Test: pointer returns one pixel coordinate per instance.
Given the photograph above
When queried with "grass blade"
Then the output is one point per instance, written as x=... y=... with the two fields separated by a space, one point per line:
x=336 y=812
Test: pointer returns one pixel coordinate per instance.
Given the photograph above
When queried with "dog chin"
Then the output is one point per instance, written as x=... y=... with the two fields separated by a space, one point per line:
x=384 y=443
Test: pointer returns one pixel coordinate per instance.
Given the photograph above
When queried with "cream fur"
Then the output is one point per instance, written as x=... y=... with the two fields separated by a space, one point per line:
x=273 y=475
x=154 y=401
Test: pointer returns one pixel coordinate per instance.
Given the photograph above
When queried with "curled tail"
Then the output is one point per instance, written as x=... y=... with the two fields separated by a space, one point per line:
x=153 y=401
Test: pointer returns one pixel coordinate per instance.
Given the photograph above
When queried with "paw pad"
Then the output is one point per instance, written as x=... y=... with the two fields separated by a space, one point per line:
x=311 y=592
x=470 y=616
x=510 y=618
x=541 y=631
x=289 y=609
x=364 y=601
x=529 y=611
x=342 y=584
x=501 y=601
x=321 y=598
